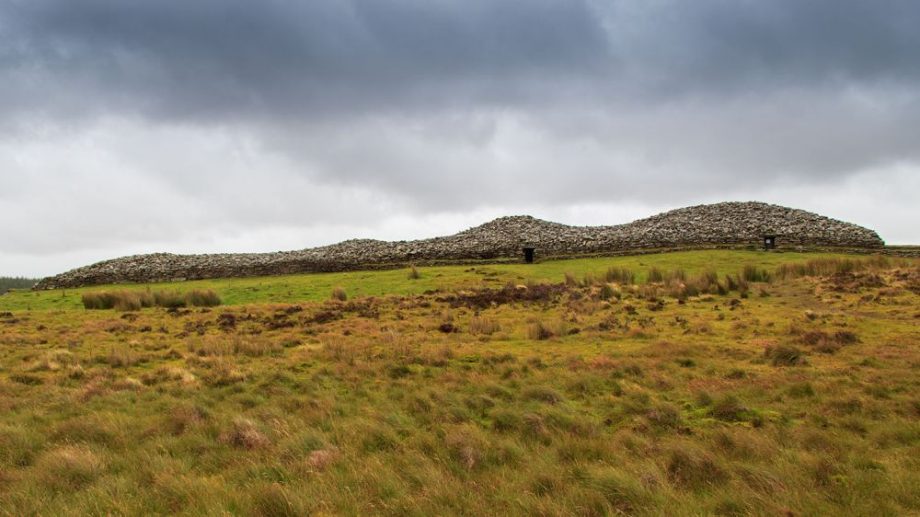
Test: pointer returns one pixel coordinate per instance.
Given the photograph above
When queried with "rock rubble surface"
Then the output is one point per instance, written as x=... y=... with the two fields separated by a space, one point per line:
x=720 y=224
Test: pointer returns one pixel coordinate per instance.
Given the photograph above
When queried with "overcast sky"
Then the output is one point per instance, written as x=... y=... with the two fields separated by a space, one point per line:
x=236 y=125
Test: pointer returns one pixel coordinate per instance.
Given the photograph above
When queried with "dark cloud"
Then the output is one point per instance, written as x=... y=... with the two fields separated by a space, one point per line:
x=242 y=117
x=218 y=59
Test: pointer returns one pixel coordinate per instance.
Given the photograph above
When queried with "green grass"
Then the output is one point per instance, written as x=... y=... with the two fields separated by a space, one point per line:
x=319 y=286
x=450 y=404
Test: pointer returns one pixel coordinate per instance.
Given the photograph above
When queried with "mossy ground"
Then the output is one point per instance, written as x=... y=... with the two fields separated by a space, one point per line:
x=283 y=402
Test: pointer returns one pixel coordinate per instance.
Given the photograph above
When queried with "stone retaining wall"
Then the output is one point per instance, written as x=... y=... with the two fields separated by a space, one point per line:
x=721 y=224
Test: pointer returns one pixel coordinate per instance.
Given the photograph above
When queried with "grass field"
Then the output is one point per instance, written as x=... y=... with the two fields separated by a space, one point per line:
x=316 y=287
x=487 y=390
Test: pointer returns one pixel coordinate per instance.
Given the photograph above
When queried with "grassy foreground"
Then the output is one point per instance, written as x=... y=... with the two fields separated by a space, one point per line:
x=799 y=398
x=316 y=287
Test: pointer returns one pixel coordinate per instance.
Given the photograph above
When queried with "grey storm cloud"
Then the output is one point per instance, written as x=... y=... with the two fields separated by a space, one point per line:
x=212 y=117
x=216 y=59
x=219 y=59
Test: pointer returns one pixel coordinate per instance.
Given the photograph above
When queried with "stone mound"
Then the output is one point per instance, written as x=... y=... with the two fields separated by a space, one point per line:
x=720 y=224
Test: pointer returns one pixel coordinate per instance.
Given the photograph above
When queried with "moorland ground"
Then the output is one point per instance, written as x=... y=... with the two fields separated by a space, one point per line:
x=713 y=382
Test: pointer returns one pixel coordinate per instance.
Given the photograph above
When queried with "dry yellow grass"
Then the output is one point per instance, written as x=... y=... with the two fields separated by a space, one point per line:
x=798 y=396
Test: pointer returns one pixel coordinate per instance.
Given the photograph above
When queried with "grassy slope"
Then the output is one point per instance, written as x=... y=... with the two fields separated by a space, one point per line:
x=368 y=408
x=297 y=288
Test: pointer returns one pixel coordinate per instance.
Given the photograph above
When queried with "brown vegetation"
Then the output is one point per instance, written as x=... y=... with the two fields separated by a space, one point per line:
x=126 y=301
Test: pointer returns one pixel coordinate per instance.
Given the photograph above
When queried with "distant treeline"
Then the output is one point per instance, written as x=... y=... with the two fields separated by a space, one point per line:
x=7 y=283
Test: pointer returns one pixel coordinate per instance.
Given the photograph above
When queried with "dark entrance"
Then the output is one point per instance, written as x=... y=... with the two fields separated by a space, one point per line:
x=769 y=242
x=528 y=255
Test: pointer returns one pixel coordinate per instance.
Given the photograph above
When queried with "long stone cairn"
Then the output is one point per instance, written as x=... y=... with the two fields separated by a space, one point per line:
x=715 y=225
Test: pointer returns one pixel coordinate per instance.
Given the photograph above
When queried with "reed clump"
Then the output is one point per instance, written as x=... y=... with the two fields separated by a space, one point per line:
x=127 y=301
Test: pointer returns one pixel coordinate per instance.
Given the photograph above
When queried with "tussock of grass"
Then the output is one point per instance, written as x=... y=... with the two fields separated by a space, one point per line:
x=68 y=468
x=18 y=447
x=834 y=266
x=664 y=416
x=483 y=326
x=608 y=292
x=677 y=284
x=695 y=469
x=737 y=283
x=91 y=430
x=128 y=301
x=784 y=355
x=542 y=394
x=53 y=361
x=274 y=500
x=730 y=409
x=252 y=346
x=623 y=492
x=121 y=357
x=244 y=433
x=539 y=330
x=98 y=301
x=752 y=273
x=620 y=276
x=169 y=299
x=222 y=373
x=322 y=459
x=467 y=446
x=183 y=418
x=570 y=279
x=339 y=294
x=802 y=389
x=828 y=343
x=202 y=298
